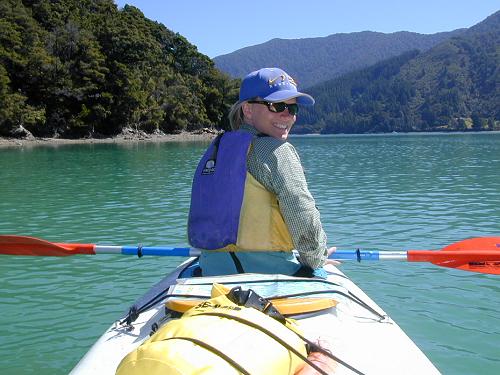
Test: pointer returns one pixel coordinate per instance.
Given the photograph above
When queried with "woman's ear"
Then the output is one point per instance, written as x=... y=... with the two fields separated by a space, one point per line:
x=247 y=111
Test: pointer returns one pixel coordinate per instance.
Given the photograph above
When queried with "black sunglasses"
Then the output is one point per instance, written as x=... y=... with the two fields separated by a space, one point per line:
x=279 y=107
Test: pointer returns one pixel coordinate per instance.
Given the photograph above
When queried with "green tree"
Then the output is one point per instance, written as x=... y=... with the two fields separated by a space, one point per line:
x=79 y=68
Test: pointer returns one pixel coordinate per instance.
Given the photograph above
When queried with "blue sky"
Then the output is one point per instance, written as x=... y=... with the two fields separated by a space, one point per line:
x=218 y=27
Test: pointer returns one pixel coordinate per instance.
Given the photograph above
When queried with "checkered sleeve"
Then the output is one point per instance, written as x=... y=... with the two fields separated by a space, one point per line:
x=276 y=165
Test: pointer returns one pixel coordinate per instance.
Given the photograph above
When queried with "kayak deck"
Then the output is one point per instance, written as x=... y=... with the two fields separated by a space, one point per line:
x=358 y=331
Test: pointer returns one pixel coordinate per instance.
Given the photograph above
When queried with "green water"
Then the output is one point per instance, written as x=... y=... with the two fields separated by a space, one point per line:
x=382 y=191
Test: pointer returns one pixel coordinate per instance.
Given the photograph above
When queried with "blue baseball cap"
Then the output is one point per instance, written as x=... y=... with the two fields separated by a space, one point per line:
x=273 y=85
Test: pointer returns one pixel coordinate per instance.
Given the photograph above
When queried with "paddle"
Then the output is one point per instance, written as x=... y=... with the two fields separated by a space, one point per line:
x=480 y=254
x=23 y=245
x=474 y=254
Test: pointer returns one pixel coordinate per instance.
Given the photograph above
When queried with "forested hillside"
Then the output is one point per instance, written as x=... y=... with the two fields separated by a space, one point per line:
x=84 y=68
x=78 y=68
x=315 y=60
x=453 y=86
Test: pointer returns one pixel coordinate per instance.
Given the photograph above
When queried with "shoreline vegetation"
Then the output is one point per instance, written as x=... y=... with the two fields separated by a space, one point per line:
x=72 y=69
x=204 y=135
x=125 y=137
x=90 y=72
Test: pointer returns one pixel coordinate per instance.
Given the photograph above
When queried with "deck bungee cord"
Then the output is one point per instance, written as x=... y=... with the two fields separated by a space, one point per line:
x=135 y=310
x=247 y=313
x=312 y=346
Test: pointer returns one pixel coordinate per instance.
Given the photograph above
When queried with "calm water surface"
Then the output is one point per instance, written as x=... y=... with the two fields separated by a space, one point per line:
x=385 y=191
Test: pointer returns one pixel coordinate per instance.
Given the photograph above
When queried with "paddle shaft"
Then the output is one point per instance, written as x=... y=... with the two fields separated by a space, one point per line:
x=147 y=250
x=474 y=254
x=414 y=255
x=190 y=252
x=475 y=249
x=359 y=255
x=372 y=255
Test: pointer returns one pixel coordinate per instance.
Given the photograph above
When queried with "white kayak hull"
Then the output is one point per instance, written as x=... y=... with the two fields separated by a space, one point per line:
x=362 y=336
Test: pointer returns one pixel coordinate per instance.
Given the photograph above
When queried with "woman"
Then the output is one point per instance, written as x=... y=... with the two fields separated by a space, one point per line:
x=250 y=204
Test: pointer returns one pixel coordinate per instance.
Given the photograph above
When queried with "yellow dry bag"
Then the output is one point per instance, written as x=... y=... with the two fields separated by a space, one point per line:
x=219 y=337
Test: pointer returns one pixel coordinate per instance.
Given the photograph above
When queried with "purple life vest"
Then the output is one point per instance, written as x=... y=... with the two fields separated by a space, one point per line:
x=217 y=192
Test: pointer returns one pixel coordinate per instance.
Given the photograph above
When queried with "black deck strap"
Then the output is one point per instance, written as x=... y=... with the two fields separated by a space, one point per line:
x=237 y=263
x=154 y=328
x=133 y=314
x=214 y=350
x=135 y=311
x=139 y=251
x=238 y=295
x=249 y=298
x=358 y=255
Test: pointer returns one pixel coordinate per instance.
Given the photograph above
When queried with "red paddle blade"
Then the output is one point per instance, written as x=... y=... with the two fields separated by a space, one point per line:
x=475 y=244
x=486 y=266
x=22 y=245
x=480 y=260
x=474 y=254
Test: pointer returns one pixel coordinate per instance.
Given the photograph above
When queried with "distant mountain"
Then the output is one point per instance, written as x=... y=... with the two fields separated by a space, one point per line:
x=314 y=60
x=453 y=86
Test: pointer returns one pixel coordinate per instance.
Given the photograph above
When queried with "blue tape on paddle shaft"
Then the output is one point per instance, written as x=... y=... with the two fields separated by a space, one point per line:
x=355 y=255
x=133 y=250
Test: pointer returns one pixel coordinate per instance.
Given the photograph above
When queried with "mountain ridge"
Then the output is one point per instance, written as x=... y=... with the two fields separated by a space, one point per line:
x=452 y=86
x=313 y=60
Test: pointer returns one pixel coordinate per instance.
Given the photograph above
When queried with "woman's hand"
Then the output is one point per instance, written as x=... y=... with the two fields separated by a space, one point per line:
x=330 y=251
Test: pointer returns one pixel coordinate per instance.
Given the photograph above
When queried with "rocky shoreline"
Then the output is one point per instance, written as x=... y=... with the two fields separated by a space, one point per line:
x=126 y=137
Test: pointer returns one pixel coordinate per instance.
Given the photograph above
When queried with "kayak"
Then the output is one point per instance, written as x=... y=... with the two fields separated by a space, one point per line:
x=363 y=338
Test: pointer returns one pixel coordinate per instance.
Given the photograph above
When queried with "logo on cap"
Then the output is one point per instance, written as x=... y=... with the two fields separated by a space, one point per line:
x=272 y=81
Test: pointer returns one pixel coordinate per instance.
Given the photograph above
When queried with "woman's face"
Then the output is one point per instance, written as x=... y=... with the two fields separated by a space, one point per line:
x=274 y=124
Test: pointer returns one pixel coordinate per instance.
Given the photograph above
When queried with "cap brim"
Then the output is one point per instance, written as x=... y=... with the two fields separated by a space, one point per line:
x=283 y=95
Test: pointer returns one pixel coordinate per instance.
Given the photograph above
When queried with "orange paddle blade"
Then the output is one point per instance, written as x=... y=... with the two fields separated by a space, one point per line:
x=23 y=245
x=480 y=254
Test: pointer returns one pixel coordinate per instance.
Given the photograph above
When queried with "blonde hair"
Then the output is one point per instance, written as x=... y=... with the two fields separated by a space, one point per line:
x=235 y=116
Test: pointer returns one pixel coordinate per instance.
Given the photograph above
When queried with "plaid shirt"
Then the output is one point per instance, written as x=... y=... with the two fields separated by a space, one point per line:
x=276 y=165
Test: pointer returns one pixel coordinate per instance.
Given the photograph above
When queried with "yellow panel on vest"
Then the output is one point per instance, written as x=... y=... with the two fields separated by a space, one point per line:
x=261 y=224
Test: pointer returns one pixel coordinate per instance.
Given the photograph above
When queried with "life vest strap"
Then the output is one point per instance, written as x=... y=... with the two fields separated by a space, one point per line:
x=237 y=263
